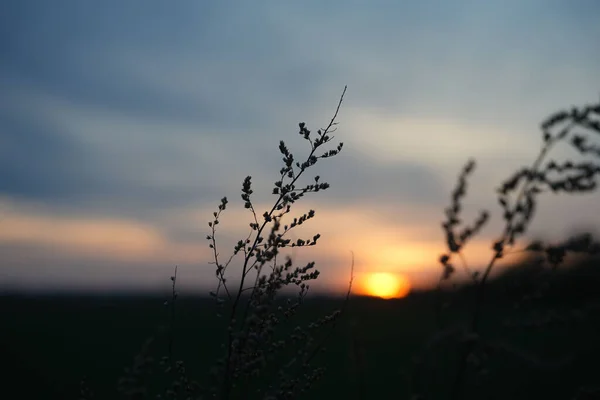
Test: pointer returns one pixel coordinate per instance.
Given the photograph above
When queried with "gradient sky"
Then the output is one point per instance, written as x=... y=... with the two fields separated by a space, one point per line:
x=122 y=124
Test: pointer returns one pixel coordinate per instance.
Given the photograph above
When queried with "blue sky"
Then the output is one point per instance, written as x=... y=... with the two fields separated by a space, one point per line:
x=122 y=124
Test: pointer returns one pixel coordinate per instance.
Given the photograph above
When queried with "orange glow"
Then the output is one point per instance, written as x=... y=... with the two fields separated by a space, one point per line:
x=386 y=285
x=118 y=239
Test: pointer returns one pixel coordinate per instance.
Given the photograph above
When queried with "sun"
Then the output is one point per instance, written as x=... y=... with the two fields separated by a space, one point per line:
x=387 y=285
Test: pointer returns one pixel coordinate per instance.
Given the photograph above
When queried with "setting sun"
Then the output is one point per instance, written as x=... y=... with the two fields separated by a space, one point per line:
x=386 y=285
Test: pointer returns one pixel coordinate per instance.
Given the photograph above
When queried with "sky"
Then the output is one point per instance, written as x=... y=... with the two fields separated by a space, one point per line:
x=123 y=123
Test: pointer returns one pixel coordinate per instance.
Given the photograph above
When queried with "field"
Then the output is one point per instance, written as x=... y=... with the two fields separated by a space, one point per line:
x=50 y=343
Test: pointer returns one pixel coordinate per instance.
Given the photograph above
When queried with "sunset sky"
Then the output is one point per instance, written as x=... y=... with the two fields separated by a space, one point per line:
x=123 y=123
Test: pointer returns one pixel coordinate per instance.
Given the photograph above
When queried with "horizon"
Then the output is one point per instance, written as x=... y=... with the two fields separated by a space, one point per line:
x=122 y=128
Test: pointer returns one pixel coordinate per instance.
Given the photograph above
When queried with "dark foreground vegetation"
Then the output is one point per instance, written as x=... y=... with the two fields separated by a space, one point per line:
x=540 y=345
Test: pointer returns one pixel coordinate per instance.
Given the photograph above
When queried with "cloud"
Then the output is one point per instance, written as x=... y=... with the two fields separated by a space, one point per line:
x=121 y=120
x=120 y=240
x=64 y=153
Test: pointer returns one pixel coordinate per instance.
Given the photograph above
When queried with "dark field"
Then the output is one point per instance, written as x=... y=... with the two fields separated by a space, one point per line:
x=551 y=349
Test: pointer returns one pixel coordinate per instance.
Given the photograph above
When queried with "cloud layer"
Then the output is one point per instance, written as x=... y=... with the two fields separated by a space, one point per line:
x=123 y=124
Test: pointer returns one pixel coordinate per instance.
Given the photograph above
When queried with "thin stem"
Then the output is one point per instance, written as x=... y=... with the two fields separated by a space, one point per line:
x=346 y=300
x=172 y=316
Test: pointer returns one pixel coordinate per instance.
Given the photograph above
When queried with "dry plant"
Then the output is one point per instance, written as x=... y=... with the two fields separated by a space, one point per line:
x=265 y=355
x=253 y=349
x=518 y=197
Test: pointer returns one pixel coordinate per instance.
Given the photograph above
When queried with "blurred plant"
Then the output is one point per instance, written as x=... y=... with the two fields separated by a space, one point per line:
x=518 y=197
x=575 y=128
